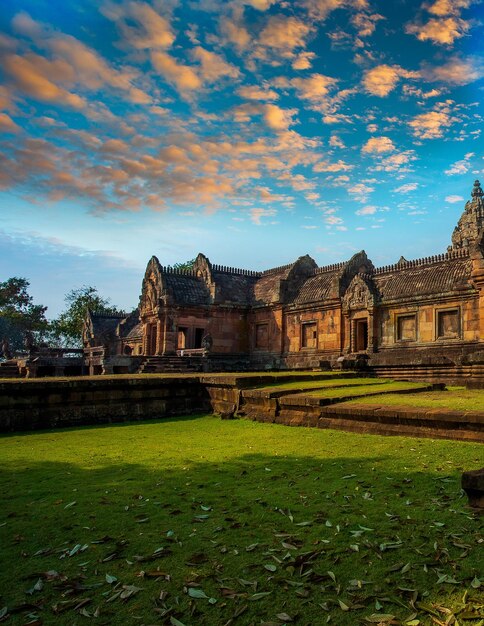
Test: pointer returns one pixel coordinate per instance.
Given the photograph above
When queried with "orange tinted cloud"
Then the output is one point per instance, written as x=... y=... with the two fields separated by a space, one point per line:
x=442 y=30
x=382 y=79
x=378 y=145
x=139 y=24
x=28 y=75
x=182 y=77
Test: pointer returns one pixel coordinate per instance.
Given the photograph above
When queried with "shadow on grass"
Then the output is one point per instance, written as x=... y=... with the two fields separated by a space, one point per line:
x=145 y=421
x=317 y=537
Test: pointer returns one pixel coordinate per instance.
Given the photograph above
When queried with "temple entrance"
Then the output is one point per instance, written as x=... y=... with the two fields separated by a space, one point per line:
x=361 y=335
x=151 y=343
x=199 y=333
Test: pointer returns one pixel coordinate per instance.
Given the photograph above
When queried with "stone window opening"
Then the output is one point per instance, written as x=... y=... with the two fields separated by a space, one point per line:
x=448 y=324
x=406 y=328
x=309 y=335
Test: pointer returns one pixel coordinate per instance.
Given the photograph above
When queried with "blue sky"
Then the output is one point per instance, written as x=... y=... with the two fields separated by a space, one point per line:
x=254 y=131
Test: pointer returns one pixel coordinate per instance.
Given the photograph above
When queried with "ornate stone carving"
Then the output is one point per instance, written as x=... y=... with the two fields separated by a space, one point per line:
x=358 y=295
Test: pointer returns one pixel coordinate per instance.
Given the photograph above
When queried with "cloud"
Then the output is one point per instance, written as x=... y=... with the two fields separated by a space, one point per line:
x=460 y=167
x=213 y=66
x=360 y=191
x=7 y=125
x=336 y=142
x=454 y=199
x=367 y=210
x=340 y=166
x=333 y=220
x=274 y=116
x=277 y=118
x=457 y=71
x=314 y=88
x=406 y=188
x=303 y=61
x=30 y=74
x=256 y=215
x=382 y=79
x=378 y=145
x=396 y=162
x=254 y=92
x=183 y=77
x=233 y=30
x=441 y=31
x=73 y=64
x=284 y=34
x=139 y=25
x=447 y=7
x=365 y=23
x=430 y=125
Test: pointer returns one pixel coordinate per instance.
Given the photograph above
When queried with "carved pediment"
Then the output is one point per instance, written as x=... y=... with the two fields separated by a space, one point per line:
x=358 y=295
x=152 y=287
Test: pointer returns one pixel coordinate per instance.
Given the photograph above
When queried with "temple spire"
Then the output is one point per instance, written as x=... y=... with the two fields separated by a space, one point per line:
x=477 y=190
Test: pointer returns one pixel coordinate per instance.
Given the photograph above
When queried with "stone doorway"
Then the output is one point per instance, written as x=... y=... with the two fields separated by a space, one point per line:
x=361 y=335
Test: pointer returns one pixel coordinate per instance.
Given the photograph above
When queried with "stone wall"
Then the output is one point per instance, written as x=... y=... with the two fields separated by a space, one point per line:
x=32 y=405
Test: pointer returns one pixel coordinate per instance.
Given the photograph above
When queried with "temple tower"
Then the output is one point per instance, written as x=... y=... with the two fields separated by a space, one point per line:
x=471 y=224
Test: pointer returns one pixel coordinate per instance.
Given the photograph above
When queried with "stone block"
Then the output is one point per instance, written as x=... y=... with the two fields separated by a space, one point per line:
x=473 y=485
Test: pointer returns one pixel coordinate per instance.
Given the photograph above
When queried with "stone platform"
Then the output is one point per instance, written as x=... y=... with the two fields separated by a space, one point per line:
x=268 y=397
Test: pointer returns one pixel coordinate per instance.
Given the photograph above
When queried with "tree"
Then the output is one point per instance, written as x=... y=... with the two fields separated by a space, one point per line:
x=18 y=313
x=67 y=328
x=187 y=265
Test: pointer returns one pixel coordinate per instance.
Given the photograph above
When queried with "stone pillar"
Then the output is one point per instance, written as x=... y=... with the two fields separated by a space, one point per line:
x=348 y=334
x=371 y=332
x=159 y=336
x=169 y=334
x=146 y=339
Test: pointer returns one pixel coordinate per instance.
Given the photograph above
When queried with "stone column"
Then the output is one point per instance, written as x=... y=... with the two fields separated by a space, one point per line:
x=169 y=335
x=159 y=336
x=348 y=333
x=371 y=332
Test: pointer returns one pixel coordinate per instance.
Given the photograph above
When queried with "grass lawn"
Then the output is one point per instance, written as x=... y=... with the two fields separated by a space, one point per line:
x=455 y=398
x=199 y=521
x=386 y=386
x=321 y=384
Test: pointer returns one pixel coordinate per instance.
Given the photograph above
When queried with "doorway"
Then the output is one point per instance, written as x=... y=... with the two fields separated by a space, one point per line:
x=361 y=335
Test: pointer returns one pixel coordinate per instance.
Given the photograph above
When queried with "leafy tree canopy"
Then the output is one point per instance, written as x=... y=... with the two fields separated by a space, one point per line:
x=18 y=313
x=187 y=265
x=67 y=328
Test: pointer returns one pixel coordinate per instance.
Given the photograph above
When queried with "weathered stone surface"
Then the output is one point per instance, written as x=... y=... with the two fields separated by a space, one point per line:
x=473 y=485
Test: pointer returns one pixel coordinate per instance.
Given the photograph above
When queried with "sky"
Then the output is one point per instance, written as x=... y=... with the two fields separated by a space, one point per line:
x=254 y=131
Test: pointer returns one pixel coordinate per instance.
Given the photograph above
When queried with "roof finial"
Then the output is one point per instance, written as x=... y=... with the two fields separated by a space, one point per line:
x=477 y=191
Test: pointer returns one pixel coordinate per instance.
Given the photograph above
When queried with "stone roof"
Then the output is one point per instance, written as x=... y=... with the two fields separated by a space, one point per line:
x=104 y=325
x=319 y=287
x=443 y=274
x=233 y=288
x=267 y=287
x=136 y=332
x=185 y=288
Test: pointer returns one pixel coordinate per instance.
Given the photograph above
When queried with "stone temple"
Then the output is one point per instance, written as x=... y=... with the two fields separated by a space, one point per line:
x=420 y=313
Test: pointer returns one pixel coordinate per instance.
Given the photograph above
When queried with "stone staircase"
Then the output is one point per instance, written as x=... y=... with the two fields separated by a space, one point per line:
x=9 y=369
x=471 y=376
x=168 y=364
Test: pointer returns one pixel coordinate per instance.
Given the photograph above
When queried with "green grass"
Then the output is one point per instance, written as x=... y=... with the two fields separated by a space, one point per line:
x=453 y=398
x=103 y=377
x=321 y=384
x=329 y=525
x=361 y=390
